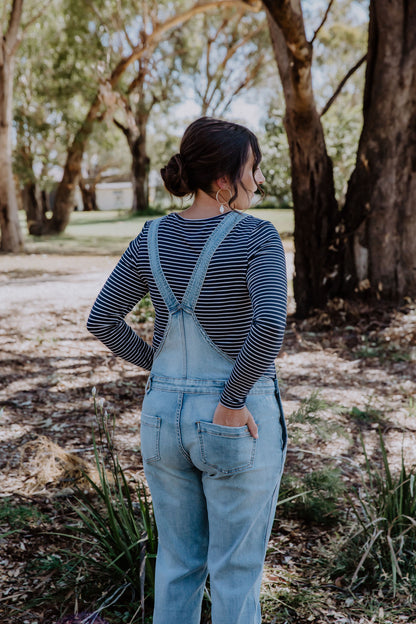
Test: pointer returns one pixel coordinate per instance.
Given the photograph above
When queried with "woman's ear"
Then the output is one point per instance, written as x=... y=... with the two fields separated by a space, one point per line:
x=222 y=183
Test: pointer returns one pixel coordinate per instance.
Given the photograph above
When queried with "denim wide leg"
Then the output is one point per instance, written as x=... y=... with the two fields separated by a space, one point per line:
x=214 y=488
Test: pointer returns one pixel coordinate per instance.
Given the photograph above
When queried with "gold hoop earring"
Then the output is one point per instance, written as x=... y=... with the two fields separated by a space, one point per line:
x=223 y=204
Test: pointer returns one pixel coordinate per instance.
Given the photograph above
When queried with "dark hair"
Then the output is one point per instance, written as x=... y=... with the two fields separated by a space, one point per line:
x=210 y=148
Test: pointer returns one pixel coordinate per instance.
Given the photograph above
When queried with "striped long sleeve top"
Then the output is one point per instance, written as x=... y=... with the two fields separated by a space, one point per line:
x=242 y=304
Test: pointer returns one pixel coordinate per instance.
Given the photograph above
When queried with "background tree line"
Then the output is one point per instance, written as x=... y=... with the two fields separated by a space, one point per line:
x=79 y=78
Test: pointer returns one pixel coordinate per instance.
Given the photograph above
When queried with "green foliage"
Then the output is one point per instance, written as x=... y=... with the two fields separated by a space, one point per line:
x=314 y=498
x=144 y=310
x=228 y=53
x=309 y=407
x=276 y=159
x=342 y=127
x=309 y=414
x=382 y=350
x=19 y=516
x=123 y=532
x=385 y=543
x=367 y=415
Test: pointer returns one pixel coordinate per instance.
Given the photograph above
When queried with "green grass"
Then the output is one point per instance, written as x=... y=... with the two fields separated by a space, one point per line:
x=314 y=497
x=15 y=516
x=109 y=232
x=381 y=549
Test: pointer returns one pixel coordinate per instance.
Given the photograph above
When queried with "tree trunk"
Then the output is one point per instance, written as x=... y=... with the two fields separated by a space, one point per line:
x=140 y=168
x=89 y=196
x=64 y=198
x=315 y=206
x=34 y=206
x=11 y=235
x=380 y=209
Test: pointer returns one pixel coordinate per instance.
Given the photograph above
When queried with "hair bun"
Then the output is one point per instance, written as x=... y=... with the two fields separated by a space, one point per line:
x=175 y=177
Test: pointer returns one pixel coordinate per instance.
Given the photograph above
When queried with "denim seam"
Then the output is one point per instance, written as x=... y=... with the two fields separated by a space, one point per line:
x=162 y=342
x=178 y=429
x=272 y=506
x=178 y=387
x=156 y=457
x=184 y=355
x=208 y=339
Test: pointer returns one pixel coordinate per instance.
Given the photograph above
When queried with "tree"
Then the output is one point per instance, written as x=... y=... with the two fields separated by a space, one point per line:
x=155 y=81
x=315 y=205
x=369 y=243
x=228 y=54
x=379 y=215
x=11 y=236
x=64 y=196
x=211 y=51
x=54 y=84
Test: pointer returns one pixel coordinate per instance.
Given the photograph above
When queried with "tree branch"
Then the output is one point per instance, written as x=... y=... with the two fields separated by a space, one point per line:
x=341 y=85
x=37 y=16
x=291 y=24
x=124 y=129
x=14 y=24
x=154 y=38
x=325 y=17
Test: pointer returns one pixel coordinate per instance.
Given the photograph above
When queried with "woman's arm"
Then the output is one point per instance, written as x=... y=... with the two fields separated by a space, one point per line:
x=122 y=291
x=267 y=285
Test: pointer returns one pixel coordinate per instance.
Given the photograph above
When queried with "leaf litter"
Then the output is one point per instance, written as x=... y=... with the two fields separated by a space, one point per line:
x=358 y=359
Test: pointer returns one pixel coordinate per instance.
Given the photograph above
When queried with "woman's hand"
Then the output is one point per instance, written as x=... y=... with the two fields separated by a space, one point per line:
x=235 y=418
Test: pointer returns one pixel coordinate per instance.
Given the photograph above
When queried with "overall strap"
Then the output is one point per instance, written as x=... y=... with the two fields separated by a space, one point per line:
x=214 y=241
x=165 y=290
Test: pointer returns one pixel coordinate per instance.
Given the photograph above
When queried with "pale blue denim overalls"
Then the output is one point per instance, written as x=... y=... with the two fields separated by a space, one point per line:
x=214 y=488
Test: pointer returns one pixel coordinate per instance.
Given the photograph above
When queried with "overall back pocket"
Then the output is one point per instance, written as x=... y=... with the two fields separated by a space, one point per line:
x=227 y=449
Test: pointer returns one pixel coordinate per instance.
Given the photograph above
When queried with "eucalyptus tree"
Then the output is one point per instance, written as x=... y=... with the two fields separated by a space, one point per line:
x=54 y=83
x=153 y=82
x=229 y=53
x=341 y=39
x=379 y=215
x=140 y=40
x=13 y=27
x=313 y=191
x=216 y=55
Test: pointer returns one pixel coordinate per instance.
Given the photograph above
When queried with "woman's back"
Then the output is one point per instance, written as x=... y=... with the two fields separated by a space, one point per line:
x=242 y=301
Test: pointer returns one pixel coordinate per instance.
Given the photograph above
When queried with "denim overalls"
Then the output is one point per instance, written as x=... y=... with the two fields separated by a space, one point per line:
x=214 y=488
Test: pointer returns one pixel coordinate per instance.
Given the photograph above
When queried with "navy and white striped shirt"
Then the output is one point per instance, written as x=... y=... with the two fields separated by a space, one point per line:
x=242 y=304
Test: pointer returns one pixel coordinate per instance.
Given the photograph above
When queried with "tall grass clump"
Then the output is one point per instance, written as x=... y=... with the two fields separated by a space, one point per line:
x=118 y=523
x=382 y=551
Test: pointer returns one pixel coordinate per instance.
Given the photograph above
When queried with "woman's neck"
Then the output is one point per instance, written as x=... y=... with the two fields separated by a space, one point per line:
x=203 y=207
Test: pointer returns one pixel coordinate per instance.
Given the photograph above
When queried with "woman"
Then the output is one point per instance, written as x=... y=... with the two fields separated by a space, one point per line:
x=213 y=437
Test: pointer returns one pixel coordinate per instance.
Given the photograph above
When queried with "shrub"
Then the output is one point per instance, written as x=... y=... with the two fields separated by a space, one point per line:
x=314 y=498
x=122 y=531
x=385 y=543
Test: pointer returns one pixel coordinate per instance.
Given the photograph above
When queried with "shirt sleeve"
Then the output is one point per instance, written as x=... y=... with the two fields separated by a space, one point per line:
x=267 y=286
x=122 y=291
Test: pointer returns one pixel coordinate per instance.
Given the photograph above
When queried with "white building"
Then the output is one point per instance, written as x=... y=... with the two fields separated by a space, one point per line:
x=114 y=195
x=110 y=196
